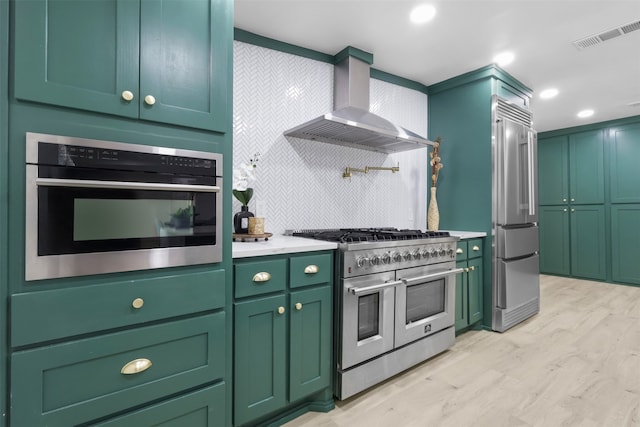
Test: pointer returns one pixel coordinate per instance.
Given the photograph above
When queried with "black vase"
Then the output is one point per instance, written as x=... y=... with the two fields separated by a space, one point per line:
x=241 y=220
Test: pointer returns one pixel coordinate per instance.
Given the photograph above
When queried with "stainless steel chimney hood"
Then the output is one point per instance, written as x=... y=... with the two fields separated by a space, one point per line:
x=351 y=124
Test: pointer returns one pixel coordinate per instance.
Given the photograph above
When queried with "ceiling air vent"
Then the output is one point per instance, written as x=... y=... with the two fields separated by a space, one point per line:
x=606 y=35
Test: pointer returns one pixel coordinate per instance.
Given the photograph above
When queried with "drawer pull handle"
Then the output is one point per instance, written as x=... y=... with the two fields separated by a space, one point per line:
x=298 y=306
x=281 y=310
x=263 y=276
x=311 y=269
x=459 y=251
x=466 y=269
x=476 y=248
x=136 y=366
x=473 y=267
x=137 y=303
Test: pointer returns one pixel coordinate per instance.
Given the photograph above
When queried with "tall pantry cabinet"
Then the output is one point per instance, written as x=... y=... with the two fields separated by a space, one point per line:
x=590 y=201
x=139 y=348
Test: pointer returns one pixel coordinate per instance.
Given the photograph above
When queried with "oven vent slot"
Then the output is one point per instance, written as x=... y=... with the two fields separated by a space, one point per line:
x=604 y=36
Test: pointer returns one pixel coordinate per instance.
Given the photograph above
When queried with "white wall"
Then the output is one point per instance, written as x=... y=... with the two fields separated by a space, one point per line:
x=299 y=182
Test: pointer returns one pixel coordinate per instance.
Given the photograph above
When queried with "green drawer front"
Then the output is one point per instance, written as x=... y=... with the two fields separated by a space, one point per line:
x=475 y=248
x=100 y=307
x=250 y=278
x=461 y=251
x=79 y=381
x=310 y=270
x=204 y=408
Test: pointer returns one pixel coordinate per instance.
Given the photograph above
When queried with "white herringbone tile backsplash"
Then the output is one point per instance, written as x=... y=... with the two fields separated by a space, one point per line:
x=299 y=183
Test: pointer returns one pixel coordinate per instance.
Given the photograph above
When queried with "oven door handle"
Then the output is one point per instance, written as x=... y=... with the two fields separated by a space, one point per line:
x=122 y=185
x=433 y=276
x=356 y=291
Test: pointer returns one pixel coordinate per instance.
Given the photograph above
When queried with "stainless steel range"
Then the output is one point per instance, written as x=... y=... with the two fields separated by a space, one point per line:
x=394 y=302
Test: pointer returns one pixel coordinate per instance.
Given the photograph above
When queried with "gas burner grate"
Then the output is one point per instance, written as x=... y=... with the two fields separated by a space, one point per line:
x=357 y=235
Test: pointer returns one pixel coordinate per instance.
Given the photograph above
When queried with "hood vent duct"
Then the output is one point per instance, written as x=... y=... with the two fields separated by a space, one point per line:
x=351 y=124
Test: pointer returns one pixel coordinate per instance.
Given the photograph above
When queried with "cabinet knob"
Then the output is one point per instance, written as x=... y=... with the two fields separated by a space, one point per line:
x=136 y=366
x=466 y=269
x=459 y=251
x=573 y=200
x=573 y=210
x=476 y=248
x=311 y=269
x=137 y=303
x=281 y=310
x=263 y=276
x=127 y=95
x=564 y=200
x=149 y=99
x=298 y=306
x=473 y=268
x=564 y=210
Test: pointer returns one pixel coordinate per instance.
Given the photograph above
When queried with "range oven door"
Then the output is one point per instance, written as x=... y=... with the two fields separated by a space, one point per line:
x=425 y=301
x=367 y=318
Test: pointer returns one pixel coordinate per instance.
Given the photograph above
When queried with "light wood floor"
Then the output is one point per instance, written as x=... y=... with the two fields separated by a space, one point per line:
x=576 y=363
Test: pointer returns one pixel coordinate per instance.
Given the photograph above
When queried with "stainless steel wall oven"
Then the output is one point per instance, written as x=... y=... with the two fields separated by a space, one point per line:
x=99 y=207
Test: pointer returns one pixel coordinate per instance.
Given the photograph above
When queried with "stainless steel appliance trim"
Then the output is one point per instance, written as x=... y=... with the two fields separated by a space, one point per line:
x=433 y=276
x=518 y=281
x=358 y=291
x=352 y=381
x=515 y=242
x=531 y=174
x=34 y=138
x=89 y=183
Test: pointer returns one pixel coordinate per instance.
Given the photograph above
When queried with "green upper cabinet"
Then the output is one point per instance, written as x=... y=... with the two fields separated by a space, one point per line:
x=586 y=167
x=624 y=145
x=553 y=163
x=151 y=59
x=571 y=169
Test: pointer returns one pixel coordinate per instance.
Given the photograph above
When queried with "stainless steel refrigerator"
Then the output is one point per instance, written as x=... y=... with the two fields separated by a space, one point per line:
x=516 y=268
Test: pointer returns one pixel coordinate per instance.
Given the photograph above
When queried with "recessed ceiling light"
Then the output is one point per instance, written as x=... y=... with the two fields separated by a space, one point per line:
x=423 y=13
x=548 y=93
x=585 y=113
x=504 y=58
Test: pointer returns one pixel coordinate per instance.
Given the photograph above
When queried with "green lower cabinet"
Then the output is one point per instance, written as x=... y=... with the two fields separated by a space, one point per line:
x=625 y=235
x=204 y=408
x=588 y=245
x=554 y=240
x=260 y=357
x=469 y=285
x=283 y=338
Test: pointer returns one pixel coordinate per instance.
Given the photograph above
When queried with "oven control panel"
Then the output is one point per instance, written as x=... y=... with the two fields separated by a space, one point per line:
x=367 y=261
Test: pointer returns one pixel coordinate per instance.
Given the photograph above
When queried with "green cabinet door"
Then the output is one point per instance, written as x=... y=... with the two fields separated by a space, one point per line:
x=554 y=240
x=586 y=168
x=553 y=171
x=260 y=357
x=475 y=290
x=184 y=62
x=462 y=297
x=588 y=246
x=625 y=235
x=160 y=60
x=624 y=146
x=77 y=53
x=310 y=342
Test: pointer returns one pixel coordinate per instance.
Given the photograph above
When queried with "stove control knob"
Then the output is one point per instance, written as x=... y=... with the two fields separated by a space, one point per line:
x=375 y=260
x=395 y=256
x=362 y=261
x=450 y=253
x=433 y=253
x=416 y=254
x=406 y=255
x=442 y=252
x=386 y=258
x=425 y=253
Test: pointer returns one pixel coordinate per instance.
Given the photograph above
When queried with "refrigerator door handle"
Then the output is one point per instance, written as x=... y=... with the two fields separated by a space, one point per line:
x=532 y=178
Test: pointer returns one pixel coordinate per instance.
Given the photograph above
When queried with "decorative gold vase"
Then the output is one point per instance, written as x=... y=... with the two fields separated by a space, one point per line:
x=433 y=216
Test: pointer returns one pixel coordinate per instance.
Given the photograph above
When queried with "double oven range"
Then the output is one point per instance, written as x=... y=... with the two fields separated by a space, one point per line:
x=395 y=300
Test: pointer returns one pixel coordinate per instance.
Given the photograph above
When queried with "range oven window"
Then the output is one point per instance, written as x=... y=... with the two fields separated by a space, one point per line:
x=425 y=300
x=368 y=316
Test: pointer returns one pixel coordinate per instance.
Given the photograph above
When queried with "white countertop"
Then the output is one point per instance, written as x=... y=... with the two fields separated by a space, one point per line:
x=467 y=234
x=279 y=244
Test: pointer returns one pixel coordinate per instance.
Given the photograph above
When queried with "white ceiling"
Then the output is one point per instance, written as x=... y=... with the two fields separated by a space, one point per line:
x=465 y=35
